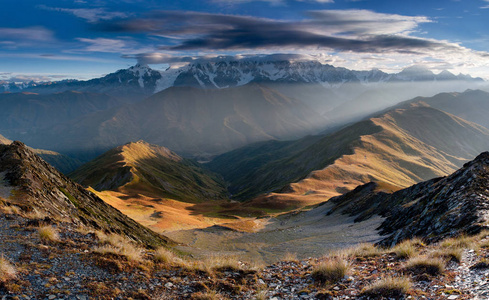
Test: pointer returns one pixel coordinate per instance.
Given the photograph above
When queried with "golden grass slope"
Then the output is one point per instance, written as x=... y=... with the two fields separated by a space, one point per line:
x=150 y=170
x=416 y=143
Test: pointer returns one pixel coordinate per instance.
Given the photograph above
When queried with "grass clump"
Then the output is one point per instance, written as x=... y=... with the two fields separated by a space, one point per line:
x=48 y=233
x=7 y=270
x=330 y=270
x=116 y=244
x=291 y=257
x=210 y=295
x=451 y=254
x=166 y=256
x=462 y=242
x=389 y=287
x=365 y=250
x=425 y=265
x=405 y=249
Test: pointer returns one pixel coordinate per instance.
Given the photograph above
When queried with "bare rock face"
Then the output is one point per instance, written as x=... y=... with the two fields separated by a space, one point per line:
x=433 y=210
x=456 y=204
x=38 y=186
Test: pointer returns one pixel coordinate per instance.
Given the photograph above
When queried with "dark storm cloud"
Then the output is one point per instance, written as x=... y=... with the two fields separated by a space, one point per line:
x=354 y=31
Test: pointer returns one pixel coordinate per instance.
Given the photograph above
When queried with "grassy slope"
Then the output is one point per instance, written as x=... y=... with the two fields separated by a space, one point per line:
x=400 y=147
x=141 y=168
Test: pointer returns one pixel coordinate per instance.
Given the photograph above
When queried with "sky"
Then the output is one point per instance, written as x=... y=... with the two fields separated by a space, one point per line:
x=83 y=39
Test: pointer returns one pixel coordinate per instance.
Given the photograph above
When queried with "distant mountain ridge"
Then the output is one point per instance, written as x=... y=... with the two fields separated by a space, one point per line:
x=400 y=147
x=190 y=121
x=140 y=81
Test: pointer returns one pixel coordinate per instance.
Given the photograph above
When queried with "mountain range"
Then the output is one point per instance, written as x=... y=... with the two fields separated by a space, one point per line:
x=142 y=80
x=404 y=145
x=208 y=107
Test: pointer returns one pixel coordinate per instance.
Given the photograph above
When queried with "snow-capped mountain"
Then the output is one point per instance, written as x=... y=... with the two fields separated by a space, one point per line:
x=141 y=81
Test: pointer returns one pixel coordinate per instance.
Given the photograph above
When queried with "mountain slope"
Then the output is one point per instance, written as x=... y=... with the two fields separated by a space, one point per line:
x=31 y=184
x=189 y=121
x=63 y=163
x=433 y=210
x=471 y=105
x=401 y=147
x=151 y=170
x=27 y=112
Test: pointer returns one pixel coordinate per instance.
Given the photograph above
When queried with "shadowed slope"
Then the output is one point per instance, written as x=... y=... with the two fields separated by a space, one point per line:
x=63 y=163
x=33 y=185
x=190 y=121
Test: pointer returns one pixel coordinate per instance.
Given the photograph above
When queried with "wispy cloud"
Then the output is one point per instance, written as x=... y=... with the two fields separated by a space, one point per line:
x=14 y=38
x=92 y=15
x=37 y=33
x=112 y=45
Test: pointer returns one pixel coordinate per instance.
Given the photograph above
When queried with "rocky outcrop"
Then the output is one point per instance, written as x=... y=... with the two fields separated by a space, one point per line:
x=433 y=210
x=38 y=186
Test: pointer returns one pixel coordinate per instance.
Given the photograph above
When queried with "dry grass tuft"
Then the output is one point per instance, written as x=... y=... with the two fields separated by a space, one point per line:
x=425 y=265
x=462 y=242
x=451 y=254
x=290 y=257
x=10 y=210
x=7 y=270
x=166 y=256
x=221 y=263
x=364 y=250
x=389 y=287
x=48 y=233
x=330 y=270
x=211 y=295
x=118 y=245
x=35 y=215
x=406 y=249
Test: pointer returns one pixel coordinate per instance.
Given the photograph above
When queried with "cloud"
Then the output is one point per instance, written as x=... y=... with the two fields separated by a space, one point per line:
x=35 y=34
x=109 y=45
x=92 y=15
x=333 y=30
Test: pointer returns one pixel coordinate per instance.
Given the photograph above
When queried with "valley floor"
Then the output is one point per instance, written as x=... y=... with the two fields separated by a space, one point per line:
x=306 y=234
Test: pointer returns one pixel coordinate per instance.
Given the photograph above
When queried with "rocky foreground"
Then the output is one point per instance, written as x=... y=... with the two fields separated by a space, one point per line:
x=45 y=259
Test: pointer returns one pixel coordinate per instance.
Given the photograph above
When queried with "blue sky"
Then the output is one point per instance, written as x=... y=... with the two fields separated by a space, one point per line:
x=57 y=39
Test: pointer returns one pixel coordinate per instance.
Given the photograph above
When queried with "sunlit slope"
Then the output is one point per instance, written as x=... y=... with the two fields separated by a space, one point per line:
x=401 y=147
x=416 y=143
x=154 y=171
